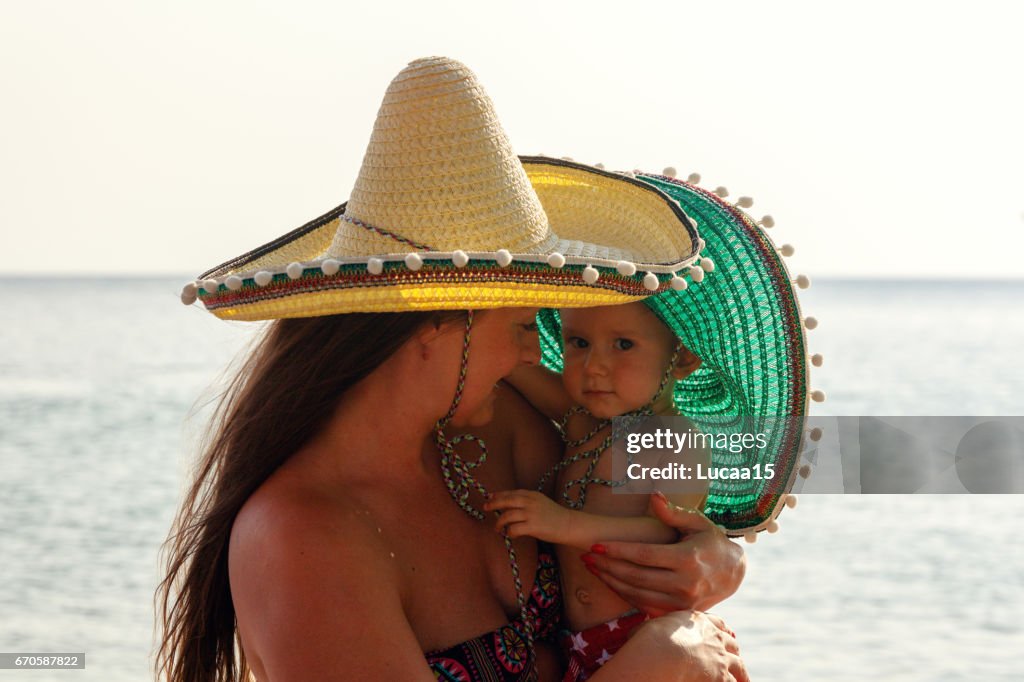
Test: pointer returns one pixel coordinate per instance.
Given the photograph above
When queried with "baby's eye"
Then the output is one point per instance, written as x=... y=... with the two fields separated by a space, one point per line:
x=530 y=328
x=623 y=344
x=576 y=342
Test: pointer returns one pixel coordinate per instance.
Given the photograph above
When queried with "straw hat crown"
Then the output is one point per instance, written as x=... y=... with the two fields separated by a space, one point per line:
x=440 y=172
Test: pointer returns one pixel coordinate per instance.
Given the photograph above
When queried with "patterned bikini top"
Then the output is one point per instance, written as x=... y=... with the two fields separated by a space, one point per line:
x=502 y=655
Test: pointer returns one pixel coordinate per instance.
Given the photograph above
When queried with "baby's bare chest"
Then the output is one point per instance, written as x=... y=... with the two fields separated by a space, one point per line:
x=589 y=474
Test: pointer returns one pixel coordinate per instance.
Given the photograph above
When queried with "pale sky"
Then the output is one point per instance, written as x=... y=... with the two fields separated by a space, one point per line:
x=150 y=137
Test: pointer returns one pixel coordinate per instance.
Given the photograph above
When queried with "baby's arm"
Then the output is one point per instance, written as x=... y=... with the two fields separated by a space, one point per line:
x=527 y=512
x=543 y=389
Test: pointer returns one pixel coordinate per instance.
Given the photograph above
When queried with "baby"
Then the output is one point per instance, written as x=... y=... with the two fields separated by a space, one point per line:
x=617 y=360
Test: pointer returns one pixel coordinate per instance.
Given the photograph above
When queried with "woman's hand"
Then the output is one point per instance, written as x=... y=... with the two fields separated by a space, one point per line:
x=683 y=646
x=699 y=571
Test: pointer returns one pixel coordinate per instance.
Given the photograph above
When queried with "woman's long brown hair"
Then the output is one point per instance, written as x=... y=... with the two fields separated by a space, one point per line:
x=284 y=392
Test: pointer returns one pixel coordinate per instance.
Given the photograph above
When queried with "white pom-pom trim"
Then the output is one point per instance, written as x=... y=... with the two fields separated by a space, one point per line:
x=802 y=281
x=817 y=359
x=599 y=166
x=294 y=270
x=625 y=268
x=818 y=396
x=263 y=278
x=791 y=501
x=189 y=293
x=707 y=265
x=787 y=250
x=330 y=267
x=745 y=202
x=811 y=322
x=766 y=221
x=413 y=261
x=805 y=471
x=591 y=274
x=721 y=192
x=669 y=171
x=234 y=282
x=651 y=282
x=556 y=260
x=210 y=286
x=750 y=536
x=459 y=258
x=503 y=257
x=772 y=527
x=693 y=178
x=696 y=274
x=375 y=266
x=678 y=283
x=815 y=433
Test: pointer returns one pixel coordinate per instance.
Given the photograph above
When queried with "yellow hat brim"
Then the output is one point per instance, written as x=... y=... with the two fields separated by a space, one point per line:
x=618 y=213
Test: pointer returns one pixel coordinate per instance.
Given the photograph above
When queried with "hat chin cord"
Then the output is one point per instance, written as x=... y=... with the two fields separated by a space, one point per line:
x=459 y=480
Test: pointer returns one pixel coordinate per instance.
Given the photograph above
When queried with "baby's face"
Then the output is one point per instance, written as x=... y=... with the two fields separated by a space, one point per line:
x=615 y=357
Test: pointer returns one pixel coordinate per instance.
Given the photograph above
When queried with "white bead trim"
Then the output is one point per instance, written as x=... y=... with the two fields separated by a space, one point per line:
x=414 y=261
x=189 y=293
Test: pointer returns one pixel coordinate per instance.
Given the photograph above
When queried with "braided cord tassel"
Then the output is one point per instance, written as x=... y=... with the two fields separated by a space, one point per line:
x=459 y=480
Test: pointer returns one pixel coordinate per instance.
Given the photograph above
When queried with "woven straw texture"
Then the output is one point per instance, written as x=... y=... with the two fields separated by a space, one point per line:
x=440 y=171
x=743 y=321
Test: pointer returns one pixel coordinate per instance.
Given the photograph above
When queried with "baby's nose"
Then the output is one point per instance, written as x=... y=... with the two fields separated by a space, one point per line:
x=595 y=363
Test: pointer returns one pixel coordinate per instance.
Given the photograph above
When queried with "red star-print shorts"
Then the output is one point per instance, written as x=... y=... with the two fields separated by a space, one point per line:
x=589 y=649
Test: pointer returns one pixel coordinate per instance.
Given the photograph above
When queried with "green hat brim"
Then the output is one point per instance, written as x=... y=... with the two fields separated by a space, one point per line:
x=744 y=322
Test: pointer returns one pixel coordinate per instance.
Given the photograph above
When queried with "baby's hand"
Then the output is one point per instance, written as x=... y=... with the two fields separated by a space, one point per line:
x=527 y=512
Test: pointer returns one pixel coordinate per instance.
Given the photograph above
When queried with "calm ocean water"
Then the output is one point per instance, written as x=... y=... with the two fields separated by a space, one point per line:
x=98 y=377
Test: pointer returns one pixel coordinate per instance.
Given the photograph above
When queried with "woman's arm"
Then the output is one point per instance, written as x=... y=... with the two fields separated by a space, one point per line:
x=303 y=597
x=543 y=389
x=699 y=571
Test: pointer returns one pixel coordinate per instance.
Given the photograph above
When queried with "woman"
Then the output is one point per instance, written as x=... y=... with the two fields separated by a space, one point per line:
x=324 y=501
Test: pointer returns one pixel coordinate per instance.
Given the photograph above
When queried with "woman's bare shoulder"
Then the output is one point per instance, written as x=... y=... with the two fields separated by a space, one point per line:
x=286 y=527
x=305 y=572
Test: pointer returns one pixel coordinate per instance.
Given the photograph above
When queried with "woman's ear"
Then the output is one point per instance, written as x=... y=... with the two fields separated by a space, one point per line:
x=427 y=336
x=686 y=364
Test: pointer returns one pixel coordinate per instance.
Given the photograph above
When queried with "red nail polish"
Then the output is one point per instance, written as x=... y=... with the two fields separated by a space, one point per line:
x=599 y=549
x=592 y=568
x=587 y=559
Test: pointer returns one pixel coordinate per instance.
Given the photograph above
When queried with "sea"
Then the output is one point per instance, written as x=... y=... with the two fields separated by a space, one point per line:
x=106 y=384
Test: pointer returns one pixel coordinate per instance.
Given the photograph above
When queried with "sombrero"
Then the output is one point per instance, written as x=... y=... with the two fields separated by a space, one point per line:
x=745 y=324
x=444 y=215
